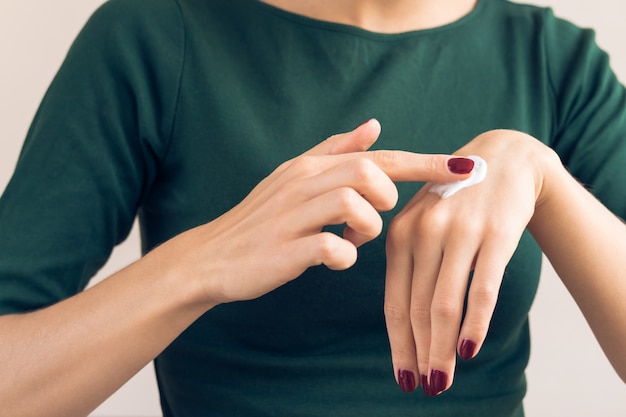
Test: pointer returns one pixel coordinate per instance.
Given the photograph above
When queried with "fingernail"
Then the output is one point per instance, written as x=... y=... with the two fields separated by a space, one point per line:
x=467 y=349
x=426 y=387
x=460 y=165
x=438 y=381
x=406 y=380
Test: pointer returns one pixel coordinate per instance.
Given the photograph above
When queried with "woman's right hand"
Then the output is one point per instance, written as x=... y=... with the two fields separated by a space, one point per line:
x=99 y=338
x=275 y=233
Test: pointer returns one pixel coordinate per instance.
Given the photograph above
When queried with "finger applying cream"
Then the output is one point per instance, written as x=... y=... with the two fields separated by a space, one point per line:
x=478 y=175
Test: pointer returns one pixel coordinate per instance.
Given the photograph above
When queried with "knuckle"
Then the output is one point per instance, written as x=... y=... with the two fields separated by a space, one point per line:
x=503 y=231
x=432 y=222
x=484 y=295
x=376 y=226
x=390 y=200
x=429 y=222
x=364 y=170
x=333 y=138
x=371 y=229
x=395 y=316
x=399 y=228
x=420 y=313
x=386 y=159
x=326 y=247
x=282 y=167
x=446 y=309
x=304 y=166
x=332 y=251
x=347 y=199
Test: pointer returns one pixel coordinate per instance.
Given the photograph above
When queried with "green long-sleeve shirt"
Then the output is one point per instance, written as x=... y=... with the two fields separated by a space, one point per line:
x=173 y=110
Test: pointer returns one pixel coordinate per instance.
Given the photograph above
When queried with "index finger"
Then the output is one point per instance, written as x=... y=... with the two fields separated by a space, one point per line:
x=409 y=166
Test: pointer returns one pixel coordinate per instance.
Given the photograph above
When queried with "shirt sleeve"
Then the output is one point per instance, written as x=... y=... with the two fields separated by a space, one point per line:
x=91 y=153
x=590 y=115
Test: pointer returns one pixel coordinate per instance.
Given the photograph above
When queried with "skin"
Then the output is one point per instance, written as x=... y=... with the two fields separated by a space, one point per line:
x=432 y=247
x=393 y=16
x=140 y=310
x=528 y=188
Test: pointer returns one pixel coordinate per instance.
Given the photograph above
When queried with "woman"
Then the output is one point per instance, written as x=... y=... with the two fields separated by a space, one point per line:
x=178 y=109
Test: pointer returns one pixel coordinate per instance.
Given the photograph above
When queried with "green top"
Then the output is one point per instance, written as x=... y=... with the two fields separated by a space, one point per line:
x=175 y=109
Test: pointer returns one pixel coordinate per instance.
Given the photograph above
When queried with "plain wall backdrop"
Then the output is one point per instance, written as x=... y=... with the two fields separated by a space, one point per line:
x=568 y=374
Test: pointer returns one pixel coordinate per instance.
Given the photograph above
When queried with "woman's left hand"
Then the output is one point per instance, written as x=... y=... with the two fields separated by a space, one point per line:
x=434 y=243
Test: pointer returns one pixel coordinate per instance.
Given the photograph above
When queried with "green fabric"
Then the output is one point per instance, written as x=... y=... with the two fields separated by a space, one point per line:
x=174 y=110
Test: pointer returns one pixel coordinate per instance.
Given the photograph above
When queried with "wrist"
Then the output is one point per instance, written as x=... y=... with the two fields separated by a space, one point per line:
x=171 y=266
x=515 y=154
x=550 y=173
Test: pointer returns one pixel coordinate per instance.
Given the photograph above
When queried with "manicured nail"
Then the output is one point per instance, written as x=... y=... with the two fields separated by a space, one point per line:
x=438 y=381
x=467 y=349
x=426 y=387
x=406 y=380
x=460 y=165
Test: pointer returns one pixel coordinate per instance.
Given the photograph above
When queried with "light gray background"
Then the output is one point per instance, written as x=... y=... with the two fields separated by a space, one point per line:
x=568 y=373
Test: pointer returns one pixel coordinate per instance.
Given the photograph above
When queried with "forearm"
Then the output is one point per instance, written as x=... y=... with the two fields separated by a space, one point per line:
x=66 y=359
x=586 y=244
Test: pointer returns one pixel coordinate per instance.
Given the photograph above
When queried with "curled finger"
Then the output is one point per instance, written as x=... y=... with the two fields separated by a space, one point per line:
x=338 y=206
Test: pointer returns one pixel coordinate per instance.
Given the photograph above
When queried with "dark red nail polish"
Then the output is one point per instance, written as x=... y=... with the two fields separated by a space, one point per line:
x=467 y=349
x=460 y=165
x=438 y=381
x=406 y=380
x=426 y=387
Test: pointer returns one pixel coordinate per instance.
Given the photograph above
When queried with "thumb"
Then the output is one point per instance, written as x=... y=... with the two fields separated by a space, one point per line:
x=357 y=140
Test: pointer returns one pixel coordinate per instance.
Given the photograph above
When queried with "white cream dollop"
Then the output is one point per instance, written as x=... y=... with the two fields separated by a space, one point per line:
x=478 y=175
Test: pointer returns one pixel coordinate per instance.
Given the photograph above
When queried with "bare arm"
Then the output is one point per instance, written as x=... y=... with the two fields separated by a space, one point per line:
x=586 y=244
x=66 y=359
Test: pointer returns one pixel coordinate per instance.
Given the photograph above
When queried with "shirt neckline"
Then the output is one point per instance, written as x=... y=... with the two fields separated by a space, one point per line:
x=328 y=26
